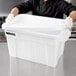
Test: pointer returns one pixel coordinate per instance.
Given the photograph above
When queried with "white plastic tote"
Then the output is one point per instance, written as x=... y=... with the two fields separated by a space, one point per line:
x=37 y=39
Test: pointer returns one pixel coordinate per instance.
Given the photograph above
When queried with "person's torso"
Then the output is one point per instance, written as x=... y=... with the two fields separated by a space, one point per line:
x=48 y=9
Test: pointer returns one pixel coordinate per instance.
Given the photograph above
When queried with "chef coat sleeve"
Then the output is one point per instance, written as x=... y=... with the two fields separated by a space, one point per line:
x=66 y=7
x=25 y=6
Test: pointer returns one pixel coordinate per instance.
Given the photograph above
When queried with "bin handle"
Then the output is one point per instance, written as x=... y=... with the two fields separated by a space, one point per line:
x=9 y=33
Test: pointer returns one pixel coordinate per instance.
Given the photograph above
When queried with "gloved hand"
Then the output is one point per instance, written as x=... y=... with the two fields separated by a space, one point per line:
x=69 y=22
x=9 y=18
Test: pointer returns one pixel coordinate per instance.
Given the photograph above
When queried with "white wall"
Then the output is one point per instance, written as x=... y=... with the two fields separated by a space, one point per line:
x=6 y=5
x=68 y=0
x=72 y=1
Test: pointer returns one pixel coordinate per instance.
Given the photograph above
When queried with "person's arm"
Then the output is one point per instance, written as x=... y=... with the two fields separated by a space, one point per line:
x=20 y=8
x=67 y=8
x=23 y=7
